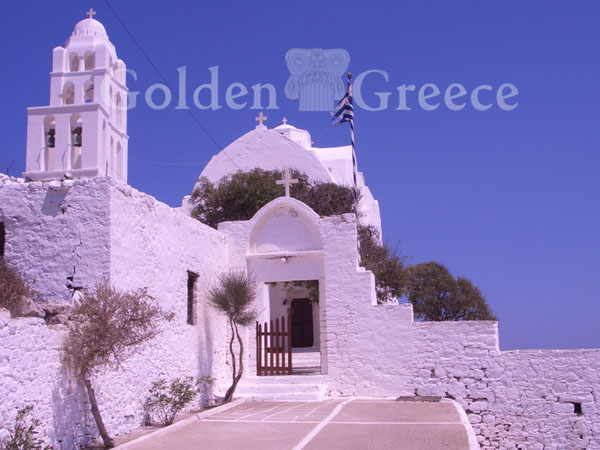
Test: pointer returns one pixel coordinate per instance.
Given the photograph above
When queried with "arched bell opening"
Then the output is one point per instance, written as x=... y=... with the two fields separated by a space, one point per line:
x=89 y=60
x=46 y=160
x=68 y=93
x=76 y=141
x=88 y=91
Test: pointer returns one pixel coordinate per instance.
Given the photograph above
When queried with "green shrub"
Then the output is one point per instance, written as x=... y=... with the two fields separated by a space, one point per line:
x=24 y=434
x=168 y=399
x=385 y=262
x=240 y=195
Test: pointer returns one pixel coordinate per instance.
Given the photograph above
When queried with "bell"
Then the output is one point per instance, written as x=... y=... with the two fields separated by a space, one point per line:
x=77 y=137
x=51 y=139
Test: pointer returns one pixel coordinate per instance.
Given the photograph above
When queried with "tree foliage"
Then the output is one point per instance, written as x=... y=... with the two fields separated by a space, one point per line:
x=108 y=327
x=385 y=263
x=12 y=288
x=436 y=295
x=234 y=297
x=240 y=195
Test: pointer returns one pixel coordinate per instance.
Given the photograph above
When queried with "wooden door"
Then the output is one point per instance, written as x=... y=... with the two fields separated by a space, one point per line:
x=302 y=323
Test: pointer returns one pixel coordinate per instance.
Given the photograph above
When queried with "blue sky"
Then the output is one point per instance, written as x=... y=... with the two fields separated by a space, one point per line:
x=508 y=199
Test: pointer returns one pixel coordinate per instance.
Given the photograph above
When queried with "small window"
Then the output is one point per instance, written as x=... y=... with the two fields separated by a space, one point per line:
x=2 y=239
x=191 y=294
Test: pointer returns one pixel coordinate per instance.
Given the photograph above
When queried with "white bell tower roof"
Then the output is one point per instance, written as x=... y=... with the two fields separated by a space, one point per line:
x=89 y=27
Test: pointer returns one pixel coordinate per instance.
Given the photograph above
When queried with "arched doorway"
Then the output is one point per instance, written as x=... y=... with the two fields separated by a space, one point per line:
x=285 y=251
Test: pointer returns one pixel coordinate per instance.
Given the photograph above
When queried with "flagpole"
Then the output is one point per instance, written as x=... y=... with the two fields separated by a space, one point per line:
x=354 y=163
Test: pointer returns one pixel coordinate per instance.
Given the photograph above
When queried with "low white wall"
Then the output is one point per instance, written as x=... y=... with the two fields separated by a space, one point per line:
x=516 y=399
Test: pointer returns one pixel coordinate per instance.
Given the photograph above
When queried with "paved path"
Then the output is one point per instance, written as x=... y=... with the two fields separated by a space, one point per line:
x=348 y=424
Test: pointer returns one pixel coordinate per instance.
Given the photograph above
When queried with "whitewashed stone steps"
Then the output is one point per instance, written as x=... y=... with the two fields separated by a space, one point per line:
x=283 y=388
x=308 y=359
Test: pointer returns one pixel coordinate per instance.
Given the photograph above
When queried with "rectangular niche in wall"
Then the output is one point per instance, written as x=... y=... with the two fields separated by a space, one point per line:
x=191 y=294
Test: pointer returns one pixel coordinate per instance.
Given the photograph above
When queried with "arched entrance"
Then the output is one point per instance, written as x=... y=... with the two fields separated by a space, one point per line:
x=285 y=256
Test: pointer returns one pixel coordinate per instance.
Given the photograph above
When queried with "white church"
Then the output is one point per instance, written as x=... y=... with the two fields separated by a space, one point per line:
x=72 y=221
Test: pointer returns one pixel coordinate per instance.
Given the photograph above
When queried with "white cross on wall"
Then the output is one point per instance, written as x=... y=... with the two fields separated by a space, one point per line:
x=287 y=181
x=91 y=13
x=260 y=119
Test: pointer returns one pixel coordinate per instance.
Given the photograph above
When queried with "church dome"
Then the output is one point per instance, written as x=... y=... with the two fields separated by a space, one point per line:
x=285 y=126
x=89 y=27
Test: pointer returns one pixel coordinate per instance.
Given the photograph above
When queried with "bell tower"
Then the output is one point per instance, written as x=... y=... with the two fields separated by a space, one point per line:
x=83 y=131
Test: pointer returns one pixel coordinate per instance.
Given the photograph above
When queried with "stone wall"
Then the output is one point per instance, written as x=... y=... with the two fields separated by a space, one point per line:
x=516 y=399
x=136 y=242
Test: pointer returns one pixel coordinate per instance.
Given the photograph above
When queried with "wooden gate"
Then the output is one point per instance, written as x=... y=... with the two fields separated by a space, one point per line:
x=273 y=342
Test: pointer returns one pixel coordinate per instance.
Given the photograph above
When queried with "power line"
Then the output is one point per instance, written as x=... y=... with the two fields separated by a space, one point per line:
x=159 y=163
x=188 y=110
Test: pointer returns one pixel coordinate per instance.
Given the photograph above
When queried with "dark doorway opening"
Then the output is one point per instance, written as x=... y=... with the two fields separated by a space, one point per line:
x=302 y=323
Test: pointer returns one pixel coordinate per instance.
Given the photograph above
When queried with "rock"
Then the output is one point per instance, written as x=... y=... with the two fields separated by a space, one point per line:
x=57 y=319
x=53 y=308
x=29 y=308
x=4 y=317
x=55 y=184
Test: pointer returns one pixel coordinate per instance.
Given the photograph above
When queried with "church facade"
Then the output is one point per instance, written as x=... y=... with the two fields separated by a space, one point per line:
x=73 y=221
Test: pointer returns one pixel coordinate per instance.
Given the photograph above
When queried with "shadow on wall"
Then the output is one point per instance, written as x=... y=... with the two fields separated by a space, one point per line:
x=53 y=203
x=205 y=350
x=73 y=422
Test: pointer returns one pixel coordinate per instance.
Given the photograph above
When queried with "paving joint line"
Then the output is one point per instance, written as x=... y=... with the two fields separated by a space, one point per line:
x=310 y=436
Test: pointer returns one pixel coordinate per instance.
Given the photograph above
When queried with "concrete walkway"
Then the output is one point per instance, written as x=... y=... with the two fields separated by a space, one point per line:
x=348 y=424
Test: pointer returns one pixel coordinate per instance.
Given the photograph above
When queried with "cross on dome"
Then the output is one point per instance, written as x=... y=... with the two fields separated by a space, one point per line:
x=261 y=118
x=287 y=181
x=91 y=13
x=284 y=121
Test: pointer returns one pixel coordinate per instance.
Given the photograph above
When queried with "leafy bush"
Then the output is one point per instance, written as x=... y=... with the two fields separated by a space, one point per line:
x=24 y=434
x=241 y=195
x=108 y=327
x=12 y=288
x=385 y=263
x=437 y=295
x=168 y=399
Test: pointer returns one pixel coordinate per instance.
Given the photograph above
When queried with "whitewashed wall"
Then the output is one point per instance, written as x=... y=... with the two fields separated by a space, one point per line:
x=137 y=242
x=57 y=230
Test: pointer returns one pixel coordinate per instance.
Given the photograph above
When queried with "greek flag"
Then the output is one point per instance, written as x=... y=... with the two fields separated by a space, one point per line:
x=344 y=112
